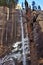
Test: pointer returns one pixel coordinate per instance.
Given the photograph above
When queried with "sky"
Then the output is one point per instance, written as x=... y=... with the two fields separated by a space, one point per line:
x=38 y=2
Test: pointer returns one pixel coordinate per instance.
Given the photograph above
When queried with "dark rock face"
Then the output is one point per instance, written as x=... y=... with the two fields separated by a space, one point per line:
x=40 y=46
x=40 y=40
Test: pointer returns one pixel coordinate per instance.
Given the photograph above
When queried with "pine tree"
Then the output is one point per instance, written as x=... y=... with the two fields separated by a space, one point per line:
x=39 y=8
x=33 y=5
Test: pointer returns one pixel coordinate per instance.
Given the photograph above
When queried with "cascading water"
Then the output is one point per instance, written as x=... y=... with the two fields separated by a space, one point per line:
x=23 y=42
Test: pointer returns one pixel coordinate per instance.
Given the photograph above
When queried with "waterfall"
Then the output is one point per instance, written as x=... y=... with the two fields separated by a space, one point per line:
x=23 y=42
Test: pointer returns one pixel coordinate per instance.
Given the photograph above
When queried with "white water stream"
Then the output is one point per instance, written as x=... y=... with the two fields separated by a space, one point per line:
x=23 y=42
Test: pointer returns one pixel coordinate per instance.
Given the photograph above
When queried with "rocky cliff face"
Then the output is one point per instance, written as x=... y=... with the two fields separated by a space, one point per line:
x=40 y=40
x=3 y=18
x=16 y=18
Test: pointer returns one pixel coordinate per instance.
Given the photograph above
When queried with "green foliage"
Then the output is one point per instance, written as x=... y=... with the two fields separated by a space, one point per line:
x=2 y=2
x=8 y=2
